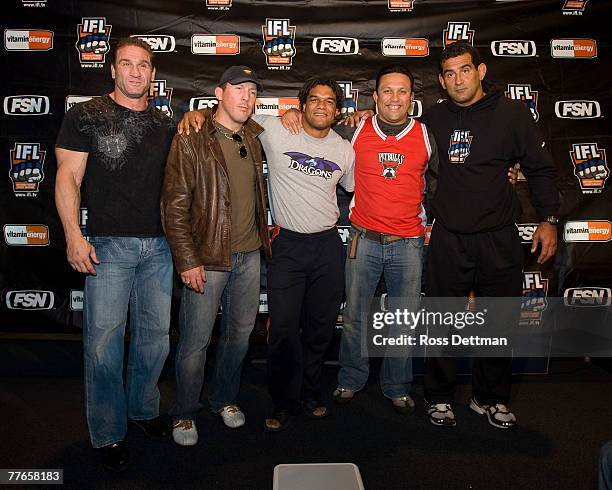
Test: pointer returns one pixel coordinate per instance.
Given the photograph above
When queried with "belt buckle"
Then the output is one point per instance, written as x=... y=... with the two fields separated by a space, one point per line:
x=382 y=238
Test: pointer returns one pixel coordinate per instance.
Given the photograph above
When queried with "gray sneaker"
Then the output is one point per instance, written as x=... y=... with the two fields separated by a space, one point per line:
x=343 y=395
x=184 y=432
x=403 y=405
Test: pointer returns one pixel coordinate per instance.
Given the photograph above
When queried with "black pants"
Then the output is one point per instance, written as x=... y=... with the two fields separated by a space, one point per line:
x=490 y=264
x=305 y=286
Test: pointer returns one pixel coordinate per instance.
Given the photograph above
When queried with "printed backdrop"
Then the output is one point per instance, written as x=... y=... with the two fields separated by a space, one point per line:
x=552 y=55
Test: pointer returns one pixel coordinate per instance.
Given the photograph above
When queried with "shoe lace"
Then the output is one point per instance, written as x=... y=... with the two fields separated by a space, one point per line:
x=184 y=424
x=231 y=409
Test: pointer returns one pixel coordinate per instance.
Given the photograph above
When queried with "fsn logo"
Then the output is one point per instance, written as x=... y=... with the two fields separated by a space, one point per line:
x=83 y=217
x=590 y=167
x=30 y=300
x=278 y=43
x=587 y=297
x=523 y=93
x=26 y=105
x=93 y=41
x=574 y=7
x=198 y=103
x=335 y=45
x=457 y=31
x=349 y=103
x=526 y=231
x=27 y=161
x=514 y=48
x=160 y=96
x=158 y=44
x=577 y=109
x=416 y=108
x=459 y=146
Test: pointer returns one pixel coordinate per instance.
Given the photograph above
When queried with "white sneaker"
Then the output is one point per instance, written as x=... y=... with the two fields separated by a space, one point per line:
x=232 y=416
x=498 y=415
x=184 y=432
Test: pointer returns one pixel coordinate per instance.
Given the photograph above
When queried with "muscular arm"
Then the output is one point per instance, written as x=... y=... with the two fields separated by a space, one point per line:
x=70 y=171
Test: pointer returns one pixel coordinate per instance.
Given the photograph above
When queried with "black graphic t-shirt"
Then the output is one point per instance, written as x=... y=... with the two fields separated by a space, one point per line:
x=125 y=168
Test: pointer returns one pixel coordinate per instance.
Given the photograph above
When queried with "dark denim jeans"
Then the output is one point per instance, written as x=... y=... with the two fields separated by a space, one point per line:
x=135 y=273
x=238 y=292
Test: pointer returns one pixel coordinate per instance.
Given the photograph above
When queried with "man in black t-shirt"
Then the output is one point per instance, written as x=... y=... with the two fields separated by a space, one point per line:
x=117 y=144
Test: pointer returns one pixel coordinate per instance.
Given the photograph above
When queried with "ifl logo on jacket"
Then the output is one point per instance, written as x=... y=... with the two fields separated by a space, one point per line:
x=459 y=147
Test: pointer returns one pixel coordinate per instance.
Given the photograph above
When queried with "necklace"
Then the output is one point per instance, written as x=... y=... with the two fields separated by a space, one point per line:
x=235 y=137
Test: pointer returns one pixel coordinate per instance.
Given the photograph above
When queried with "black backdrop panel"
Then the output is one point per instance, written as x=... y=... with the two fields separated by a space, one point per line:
x=554 y=55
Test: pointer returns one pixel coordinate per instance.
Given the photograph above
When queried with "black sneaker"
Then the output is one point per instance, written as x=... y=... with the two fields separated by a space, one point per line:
x=115 y=457
x=441 y=414
x=498 y=415
x=156 y=428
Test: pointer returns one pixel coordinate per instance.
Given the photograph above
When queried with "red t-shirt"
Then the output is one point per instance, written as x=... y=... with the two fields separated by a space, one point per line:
x=390 y=179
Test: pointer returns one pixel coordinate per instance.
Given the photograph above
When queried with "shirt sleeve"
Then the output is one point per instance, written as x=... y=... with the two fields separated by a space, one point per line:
x=431 y=175
x=73 y=134
x=345 y=132
x=347 y=181
x=537 y=165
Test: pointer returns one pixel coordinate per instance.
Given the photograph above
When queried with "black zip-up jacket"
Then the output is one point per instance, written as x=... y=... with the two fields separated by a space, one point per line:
x=473 y=193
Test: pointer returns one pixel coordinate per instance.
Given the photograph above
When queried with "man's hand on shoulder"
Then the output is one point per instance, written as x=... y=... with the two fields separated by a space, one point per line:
x=513 y=173
x=191 y=120
x=546 y=236
x=292 y=121
x=81 y=255
x=355 y=118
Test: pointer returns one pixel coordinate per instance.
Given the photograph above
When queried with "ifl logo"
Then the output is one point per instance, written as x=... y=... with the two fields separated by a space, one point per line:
x=390 y=163
x=533 y=303
x=523 y=92
x=27 y=161
x=93 y=41
x=574 y=7
x=590 y=167
x=459 y=147
x=218 y=4
x=349 y=103
x=457 y=31
x=278 y=43
x=401 y=5
x=160 y=96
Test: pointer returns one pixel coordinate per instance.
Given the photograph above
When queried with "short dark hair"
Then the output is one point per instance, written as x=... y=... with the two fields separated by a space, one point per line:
x=457 y=49
x=132 y=41
x=394 y=68
x=314 y=81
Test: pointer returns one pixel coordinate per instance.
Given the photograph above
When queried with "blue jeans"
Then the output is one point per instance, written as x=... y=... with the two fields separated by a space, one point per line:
x=135 y=273
x=400 y=263
x=238 y=292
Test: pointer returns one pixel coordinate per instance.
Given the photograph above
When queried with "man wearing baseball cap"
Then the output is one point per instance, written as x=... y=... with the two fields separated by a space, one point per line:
x=214 y=215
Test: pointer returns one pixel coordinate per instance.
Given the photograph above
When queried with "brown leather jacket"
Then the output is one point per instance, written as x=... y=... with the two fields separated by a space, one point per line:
x=195 y=204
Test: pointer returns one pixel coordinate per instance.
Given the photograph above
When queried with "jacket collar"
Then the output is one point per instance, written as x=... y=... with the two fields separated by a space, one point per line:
x=251 y=128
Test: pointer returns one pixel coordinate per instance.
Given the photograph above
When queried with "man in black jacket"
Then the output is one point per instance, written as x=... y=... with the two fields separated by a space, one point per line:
x=474 y=244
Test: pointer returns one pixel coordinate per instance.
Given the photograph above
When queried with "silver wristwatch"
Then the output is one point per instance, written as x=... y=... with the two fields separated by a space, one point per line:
x=552 y=220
